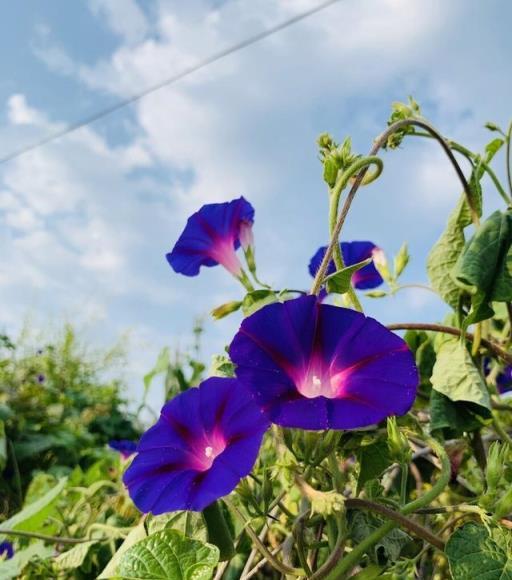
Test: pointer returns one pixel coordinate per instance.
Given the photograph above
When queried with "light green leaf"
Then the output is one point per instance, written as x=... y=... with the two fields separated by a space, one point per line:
x=255 y=300
x=189 y=523
x=456 y=376
x=339 y=282
x=32 y=516
x=221 y=366
x=445 y=253
x=3 y=447
x=482 y=269
x=75 y=557
x=169 y=555
x=136 y=535
x=162 y=364
x=14 y=567
x=473 y=553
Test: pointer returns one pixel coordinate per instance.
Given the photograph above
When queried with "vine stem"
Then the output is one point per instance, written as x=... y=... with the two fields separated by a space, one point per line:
x=492 y=346
x=344 y=566
x=56 y=539
x=336 y=191
x=378 y=144
x=508 y=157
x=279 y=566
x=403 y=521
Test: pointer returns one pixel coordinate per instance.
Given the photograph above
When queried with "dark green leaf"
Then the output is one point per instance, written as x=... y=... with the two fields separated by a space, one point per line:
x=339 y=282
x=456 y=418
x=169 y=555
x=473 y=553
x=482 y=269
x=373 y=460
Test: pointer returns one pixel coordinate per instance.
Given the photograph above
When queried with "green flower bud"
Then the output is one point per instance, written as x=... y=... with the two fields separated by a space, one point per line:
x=376 y=294
x=226 y=309
x=503 y=506
x=397 y=442
x=496 y=458
x=492 y=126
x=401 y=260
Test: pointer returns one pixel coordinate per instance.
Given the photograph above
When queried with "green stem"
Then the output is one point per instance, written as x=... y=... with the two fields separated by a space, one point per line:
x=361 y=164
x=279 y=566
x=404 y=475
x=498 y=427
x=508 y=157
x=56 y=539
x=218 y=531
x=344 y=566
x=378 y=144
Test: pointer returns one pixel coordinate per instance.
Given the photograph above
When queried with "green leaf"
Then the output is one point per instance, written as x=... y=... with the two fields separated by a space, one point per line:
x=226 y=309
x=456 y=377
x=221 y=366
x=32 y=516
x=456 y=418
x=14 y=567
x=255 y=300
x=493 y=147
x=136 y=535
x=189 y=523
x=3 y=447
x=169 y=555
x=473 y=553
x=483 y=270
x=445 y=253
x=388 y=548
x=373 y=460
x=339 y=282
x=162 y=364
x=75 y=557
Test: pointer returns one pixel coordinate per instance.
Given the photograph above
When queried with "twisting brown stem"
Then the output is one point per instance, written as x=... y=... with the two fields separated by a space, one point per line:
x=492 y=346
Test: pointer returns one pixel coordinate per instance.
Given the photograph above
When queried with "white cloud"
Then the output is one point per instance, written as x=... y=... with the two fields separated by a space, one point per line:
x=19 y=113
x=124 y=17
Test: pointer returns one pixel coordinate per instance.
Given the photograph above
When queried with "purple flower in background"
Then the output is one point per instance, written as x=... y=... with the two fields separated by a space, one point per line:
x=315 y=366
x=352 y=252
x=212 y=236
x=6 y=550
x=124 y=446
x=503 y=378
x=204 y=442
x=41 y=378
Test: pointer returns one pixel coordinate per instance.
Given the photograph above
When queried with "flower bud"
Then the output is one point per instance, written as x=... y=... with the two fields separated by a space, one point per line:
x=401 y=260
x=225 y=309
x=397 y=442
x=492 y=126
x=495 y=461
x=381 y=263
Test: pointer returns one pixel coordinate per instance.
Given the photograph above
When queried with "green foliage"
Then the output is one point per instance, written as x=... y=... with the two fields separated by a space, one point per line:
x=455 y=375
x=484 y=269
x=453 y=419
x=169 y=555
x=474 y=553
x=339 y=282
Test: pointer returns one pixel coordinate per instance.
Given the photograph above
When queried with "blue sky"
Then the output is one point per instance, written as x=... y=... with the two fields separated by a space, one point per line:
x=85 y=222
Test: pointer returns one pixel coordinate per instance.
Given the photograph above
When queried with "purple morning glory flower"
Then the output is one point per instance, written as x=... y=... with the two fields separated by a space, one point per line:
x=6 y=550
x=352 y=252
x=204 y=442
x=212 y=236
x=315 y=366
x=41 y=378
x=124 y=446
x=503 y=378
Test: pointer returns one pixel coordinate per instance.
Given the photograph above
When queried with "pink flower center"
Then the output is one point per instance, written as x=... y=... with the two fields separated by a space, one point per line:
x=319 y=380
x=223 y=252
x=208 y=449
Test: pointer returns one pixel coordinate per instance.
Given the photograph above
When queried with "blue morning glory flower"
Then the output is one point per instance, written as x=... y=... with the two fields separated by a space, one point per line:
x=204 y=442
x=124 y=446
x=212 y=236
x=353 y=252
x=6 y=550
x=314 y=366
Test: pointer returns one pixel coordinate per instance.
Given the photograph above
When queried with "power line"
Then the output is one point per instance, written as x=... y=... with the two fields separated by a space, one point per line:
x=169 y=81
